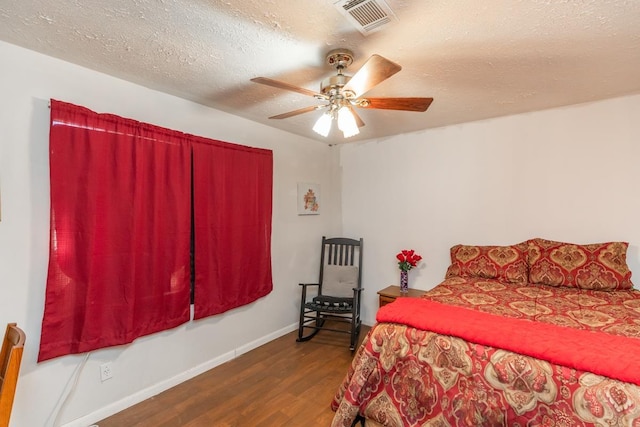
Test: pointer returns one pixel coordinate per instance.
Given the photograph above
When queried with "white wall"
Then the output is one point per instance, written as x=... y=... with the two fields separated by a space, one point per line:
x=27 y=81
x=569 y=174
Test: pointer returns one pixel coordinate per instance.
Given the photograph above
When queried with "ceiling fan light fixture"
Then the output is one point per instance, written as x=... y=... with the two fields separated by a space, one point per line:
x=323 y=124
x=343 y=92
x=351 y=132
x=347 y=123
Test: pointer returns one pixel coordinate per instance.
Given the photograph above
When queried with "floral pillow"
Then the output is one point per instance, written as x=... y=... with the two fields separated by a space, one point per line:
x=503 y=263
x=597 y=266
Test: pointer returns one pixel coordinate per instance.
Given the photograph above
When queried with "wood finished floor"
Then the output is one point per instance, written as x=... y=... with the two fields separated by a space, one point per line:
x=282 y=383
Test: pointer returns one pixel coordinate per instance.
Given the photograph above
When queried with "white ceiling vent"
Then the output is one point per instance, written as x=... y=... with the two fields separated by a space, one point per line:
x=366 y=15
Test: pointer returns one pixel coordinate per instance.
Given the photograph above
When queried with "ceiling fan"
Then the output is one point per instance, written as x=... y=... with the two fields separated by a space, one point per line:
x=343 y=93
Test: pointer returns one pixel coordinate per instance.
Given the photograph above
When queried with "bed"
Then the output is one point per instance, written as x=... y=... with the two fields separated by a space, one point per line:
x=541 y=333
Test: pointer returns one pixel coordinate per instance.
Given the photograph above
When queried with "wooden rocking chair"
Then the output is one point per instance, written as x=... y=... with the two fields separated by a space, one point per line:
x=339 y=290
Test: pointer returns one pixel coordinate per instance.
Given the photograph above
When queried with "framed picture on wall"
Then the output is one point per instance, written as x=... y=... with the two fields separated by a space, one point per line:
x=308 y=198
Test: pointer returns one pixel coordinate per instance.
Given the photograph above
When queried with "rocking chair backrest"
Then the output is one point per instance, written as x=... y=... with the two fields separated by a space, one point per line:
x=340 y=266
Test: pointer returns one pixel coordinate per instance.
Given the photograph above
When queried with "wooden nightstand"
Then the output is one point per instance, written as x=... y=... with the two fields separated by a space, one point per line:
x=389 y=295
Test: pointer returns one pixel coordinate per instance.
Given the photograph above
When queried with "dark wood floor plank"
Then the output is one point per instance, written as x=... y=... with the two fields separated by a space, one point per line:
x=282 y=383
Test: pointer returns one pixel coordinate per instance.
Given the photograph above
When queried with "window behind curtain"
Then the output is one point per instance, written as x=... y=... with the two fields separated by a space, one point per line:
x=232 y=218
x=120 y=231
x=132 y=207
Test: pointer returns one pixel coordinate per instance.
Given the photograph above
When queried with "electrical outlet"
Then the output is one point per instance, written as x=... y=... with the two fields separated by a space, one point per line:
x=106 y=371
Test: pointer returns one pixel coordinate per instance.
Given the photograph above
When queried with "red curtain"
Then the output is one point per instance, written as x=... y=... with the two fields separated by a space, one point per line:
x=232 y=217
x=119 y=265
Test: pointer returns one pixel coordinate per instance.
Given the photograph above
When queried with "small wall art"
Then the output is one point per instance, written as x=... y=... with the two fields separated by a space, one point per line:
x=308 y=198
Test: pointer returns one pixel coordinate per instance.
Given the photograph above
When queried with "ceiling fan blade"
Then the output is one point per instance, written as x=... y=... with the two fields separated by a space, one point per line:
x=404 y=104
x=376 y=70
x=282 y=85
x=296 y=112
x=359 y=121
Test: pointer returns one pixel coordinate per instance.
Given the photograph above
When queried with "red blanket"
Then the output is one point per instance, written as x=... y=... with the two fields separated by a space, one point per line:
x=613 y=356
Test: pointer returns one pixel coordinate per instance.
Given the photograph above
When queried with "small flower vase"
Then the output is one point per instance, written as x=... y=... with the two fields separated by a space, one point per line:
x=404 y=281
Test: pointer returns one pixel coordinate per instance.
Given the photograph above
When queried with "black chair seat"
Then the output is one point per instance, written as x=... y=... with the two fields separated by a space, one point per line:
x=328 y=303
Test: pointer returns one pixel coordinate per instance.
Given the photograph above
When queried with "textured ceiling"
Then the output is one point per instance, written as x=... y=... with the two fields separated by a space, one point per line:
x=477 y=59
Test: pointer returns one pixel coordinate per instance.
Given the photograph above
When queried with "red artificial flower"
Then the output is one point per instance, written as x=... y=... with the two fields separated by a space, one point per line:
x=407 y=259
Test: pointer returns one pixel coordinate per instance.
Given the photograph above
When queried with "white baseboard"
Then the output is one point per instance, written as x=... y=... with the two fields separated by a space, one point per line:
x=122 y=404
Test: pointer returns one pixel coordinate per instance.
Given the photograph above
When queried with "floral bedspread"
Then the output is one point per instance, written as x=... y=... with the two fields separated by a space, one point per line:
x=404 y=376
